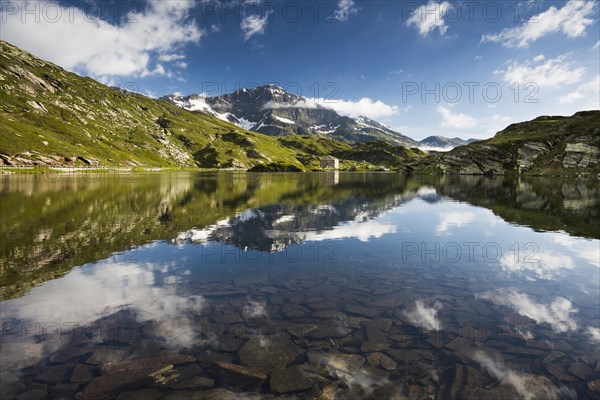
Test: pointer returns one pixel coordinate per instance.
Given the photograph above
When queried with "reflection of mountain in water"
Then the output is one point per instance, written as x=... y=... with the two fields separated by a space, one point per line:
x=542 y=204
x=274 y=227
x=51 y=224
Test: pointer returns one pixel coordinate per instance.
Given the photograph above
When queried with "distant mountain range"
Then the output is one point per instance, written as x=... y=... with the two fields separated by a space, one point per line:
x=269 y=109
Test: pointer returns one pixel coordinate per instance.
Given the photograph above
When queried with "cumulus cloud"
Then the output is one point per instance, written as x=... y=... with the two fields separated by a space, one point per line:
x=549 y=73
x=344 y=9
x=572 y=20
x=253 y=25
x=589 y=90
x=77 y=42
x=557 y=314
x=428 y=17
x=455 y=119
x=351 y=108
x=423 y=316
x=528 y=386
x=365 y=106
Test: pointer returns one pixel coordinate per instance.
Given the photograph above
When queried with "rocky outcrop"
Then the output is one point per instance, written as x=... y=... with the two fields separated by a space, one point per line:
x=544 y=146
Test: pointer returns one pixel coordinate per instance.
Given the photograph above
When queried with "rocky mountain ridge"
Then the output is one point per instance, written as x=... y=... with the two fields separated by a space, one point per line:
x=270 y=110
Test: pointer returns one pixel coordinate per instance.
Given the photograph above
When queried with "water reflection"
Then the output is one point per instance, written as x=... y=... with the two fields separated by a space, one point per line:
x=349 y=286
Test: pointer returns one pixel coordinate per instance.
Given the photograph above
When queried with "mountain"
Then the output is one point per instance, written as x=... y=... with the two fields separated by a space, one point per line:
x=51 y=117
x=547 y=145
x=271 y=110
x=443 y=143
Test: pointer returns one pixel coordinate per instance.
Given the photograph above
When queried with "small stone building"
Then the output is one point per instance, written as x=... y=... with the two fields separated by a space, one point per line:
x=330 y=162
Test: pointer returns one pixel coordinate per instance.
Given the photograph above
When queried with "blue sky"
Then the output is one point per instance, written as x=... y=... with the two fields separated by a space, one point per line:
x=423 y=67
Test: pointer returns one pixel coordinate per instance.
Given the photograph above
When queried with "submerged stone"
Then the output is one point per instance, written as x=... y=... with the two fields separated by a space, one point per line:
x=270 y=352
x=239 y=376
x=288 y=380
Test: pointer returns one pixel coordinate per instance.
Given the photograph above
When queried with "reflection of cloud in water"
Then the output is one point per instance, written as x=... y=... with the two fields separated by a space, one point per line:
x=363 y=231
x=528 y=386
x=593 y=334
x=456 y=219
x=423 y=316
x=85 y=295
x=586 y=249
x=544 y=265
x=255 y=309
x=557 y=314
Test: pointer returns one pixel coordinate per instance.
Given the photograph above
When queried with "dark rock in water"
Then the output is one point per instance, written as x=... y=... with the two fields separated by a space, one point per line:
x=64 y=391
x=69 y=353
x=10 y=385
x=82 y=373
x=214 y=394
x=553 y=356
x=369 y=312
x=376 y=340
x=270 y=352
x=142 y=394
x=381 y=360
x=581 y=370
x=34 y=394
x=348 y=363
x=301 y=330
x=106 y=385
x=245 y=378
x=288 y=380
x=209 y=357
x=329 y=329
x=53 y=374
x=183 y=373
x=154 y=363
x=228 y=343
x=197 y=382
x=106 y=355
x=558 y=371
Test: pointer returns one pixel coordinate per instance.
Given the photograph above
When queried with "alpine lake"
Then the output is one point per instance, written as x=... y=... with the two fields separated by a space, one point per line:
x=231 y=285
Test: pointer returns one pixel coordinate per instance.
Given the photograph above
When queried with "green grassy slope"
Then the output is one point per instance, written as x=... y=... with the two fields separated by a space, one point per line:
x=49 y=111
x=54 y=117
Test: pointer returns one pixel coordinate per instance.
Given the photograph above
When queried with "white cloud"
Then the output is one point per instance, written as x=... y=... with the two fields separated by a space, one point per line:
x=539 y=58
x=454 y=219
x=345 y=8
x=551 y=73
x=572 y=20
x=557 y=314
x=254 y=25
x=528 y=386
x=590 y=90
x=171 y=57
x=366 y=107
x=99 y=48
x=597 y=45
x=423 y=316
x=428 y=17
x=455 y=120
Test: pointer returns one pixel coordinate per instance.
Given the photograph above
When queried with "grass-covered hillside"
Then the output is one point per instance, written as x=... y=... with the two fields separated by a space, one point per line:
x=54 y=117
x=543 y=146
